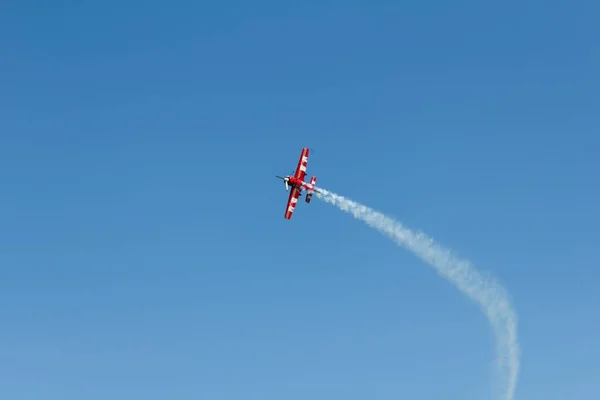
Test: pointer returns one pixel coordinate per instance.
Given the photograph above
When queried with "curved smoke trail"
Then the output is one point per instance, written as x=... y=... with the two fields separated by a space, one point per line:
x=491 y=296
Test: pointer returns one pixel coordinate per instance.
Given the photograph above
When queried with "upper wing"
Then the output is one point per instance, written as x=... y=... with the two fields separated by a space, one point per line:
x=302 y=162
x=291 y=204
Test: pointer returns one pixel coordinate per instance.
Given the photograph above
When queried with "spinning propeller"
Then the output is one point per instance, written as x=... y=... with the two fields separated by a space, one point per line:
x=285 y=180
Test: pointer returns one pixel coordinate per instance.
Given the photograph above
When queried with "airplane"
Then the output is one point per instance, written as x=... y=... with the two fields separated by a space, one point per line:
x=297 y=183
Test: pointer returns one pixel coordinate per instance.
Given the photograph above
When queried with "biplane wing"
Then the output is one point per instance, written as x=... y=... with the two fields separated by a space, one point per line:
x=292 y=201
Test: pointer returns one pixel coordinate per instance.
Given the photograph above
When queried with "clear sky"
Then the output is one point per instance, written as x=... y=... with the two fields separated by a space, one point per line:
x=143 y=249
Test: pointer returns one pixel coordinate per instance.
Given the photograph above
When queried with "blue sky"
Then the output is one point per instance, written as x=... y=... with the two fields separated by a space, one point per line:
x=144 y=253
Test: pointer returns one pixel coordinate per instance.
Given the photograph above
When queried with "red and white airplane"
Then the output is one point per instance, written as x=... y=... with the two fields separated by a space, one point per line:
x=296 y=182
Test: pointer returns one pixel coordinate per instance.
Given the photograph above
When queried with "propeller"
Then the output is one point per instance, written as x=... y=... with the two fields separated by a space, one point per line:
x=285 y=180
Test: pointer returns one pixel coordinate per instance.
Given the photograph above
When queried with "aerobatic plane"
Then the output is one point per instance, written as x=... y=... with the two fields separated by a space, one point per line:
x=297 y=184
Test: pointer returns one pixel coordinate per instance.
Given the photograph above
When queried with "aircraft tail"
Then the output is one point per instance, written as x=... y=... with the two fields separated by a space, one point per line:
x=313 y=181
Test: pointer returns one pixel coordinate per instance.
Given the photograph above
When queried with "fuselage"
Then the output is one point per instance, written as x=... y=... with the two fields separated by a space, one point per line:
x=300 y=184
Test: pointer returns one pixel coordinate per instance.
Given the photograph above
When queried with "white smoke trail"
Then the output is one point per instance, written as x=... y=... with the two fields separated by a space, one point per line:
x=491 y=296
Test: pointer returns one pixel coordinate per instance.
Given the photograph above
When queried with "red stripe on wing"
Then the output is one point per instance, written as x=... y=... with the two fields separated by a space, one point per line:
x=291 y=203
x=302 y=163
